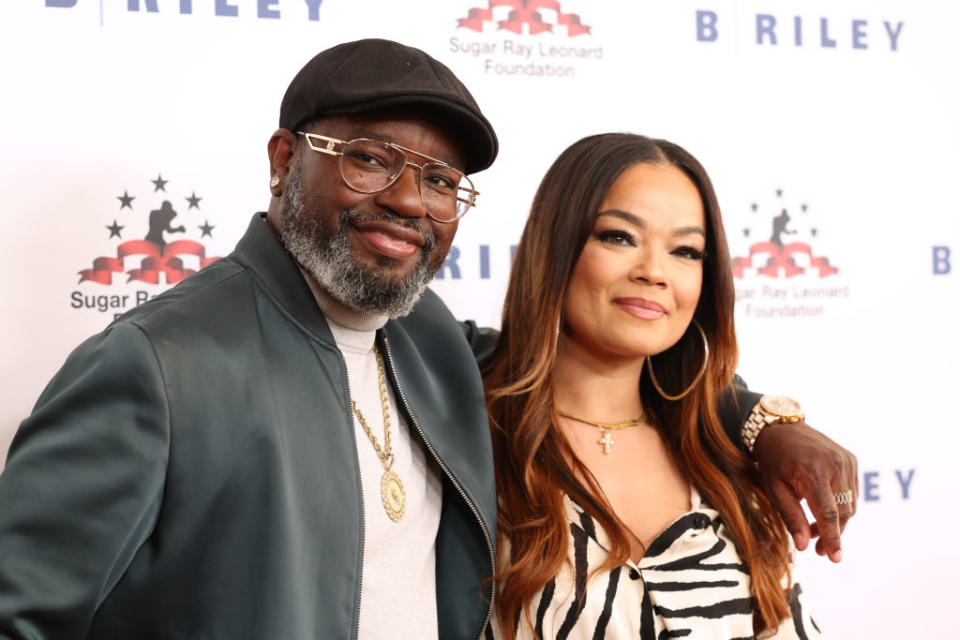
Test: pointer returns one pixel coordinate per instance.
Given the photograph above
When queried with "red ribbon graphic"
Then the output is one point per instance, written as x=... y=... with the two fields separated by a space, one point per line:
x=779 y=258
x=158 y=260
x=572 y=22
x=475 y=19
x=519 y=17
x=523 y=14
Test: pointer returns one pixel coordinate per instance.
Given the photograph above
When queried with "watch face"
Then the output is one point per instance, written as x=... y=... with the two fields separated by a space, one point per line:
x=780 y=405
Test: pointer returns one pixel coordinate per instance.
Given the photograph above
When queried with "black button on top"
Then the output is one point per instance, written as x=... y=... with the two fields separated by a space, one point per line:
x=701 y=521
x=634 y=574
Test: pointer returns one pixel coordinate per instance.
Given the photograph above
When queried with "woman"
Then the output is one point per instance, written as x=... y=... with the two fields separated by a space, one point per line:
x=624 y=508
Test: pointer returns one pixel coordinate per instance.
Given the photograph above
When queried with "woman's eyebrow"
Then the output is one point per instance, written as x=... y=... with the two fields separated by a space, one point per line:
x=629 y=217
x=641 y=223
x=686 y=231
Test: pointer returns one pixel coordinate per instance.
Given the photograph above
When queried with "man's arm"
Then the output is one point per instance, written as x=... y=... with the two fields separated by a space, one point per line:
x=798 y=463
x=82 y=486
x=483 y=341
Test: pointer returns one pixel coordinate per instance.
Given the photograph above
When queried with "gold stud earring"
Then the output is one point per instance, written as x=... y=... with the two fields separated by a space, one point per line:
x=274 y=181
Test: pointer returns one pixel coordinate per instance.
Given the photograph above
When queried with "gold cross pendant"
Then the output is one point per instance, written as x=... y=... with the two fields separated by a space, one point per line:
x=606 y=441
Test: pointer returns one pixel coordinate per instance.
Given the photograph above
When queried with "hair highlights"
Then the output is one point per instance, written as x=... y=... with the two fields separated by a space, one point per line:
x=535 y=464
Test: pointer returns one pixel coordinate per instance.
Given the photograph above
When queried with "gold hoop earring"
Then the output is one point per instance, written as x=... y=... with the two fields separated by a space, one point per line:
x=703 y=369
x=274 y=181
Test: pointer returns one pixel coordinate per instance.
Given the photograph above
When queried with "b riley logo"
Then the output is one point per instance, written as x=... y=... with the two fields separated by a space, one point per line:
x=530 y=38
x=264 y=9
x=155 y=248
x=780 y=273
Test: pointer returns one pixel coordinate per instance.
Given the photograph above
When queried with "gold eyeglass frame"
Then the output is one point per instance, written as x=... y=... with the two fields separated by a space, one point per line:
x=329 y=147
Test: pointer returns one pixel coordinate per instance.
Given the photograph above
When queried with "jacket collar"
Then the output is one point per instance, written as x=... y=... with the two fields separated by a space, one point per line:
x=442 y=390
x=264 y=256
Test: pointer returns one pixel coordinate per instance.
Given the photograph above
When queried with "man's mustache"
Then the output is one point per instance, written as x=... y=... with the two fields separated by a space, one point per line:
x=352 y=217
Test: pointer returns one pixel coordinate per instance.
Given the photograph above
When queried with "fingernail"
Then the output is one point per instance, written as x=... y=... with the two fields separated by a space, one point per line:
x=837 y=556
x=797 y=540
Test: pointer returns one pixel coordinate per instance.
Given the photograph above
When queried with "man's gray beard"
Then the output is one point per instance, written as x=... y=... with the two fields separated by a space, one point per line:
x=326 y=254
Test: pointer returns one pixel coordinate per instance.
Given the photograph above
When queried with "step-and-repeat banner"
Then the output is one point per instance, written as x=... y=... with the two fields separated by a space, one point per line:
x=829 y=127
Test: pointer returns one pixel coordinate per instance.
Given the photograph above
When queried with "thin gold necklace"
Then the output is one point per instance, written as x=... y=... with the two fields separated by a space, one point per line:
x=392 y=494
x=606 y=440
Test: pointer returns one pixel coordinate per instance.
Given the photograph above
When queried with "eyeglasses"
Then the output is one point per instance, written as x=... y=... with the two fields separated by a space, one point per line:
x=371 y=166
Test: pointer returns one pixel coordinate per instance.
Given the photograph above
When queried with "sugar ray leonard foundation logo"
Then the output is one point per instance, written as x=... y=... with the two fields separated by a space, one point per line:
x=530 y=38
x=780 y=272
x=163 y=254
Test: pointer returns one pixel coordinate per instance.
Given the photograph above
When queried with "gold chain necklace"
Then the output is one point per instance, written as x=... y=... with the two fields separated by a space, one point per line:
x=392 y=494
x=606 y=440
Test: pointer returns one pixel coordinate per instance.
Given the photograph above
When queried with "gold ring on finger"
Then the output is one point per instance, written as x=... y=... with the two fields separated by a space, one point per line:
x=844 y=497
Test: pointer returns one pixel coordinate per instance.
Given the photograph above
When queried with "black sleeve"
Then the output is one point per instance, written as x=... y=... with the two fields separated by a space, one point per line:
x=483 y=341
x=736 y=402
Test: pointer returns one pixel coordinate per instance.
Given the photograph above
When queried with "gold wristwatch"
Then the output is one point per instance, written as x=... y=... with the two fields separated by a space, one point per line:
x=770 y=410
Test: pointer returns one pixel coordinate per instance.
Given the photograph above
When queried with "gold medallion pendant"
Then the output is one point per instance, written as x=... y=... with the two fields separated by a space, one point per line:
x=393 y=496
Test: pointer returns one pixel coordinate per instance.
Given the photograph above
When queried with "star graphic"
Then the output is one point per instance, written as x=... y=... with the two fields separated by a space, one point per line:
x=754 y=206
x=779 y=193
x=206 y=228
x=813 y=231
x=746 y=233
x=194 y=201
x=159 y=184
x=115 y=230
x=125 y=200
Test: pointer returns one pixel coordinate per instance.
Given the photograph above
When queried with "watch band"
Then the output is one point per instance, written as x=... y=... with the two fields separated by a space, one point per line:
x=770 y=410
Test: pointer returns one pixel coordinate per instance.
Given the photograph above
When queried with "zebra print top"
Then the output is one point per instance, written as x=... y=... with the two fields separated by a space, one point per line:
x=690 y=584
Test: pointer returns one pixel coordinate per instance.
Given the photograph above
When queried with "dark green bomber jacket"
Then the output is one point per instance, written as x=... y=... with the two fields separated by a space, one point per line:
x=191 y=471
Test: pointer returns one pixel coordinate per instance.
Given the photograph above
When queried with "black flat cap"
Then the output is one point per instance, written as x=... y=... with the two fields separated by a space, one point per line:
x=366 y=75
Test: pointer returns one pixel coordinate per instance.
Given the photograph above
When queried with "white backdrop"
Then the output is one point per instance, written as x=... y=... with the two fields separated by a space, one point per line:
x=843 y=114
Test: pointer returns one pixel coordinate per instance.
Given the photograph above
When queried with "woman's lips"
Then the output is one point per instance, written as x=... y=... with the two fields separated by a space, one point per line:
x=391 y=240
x=641 y=308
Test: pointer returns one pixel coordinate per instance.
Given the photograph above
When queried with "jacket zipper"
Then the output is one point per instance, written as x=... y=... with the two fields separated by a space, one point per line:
x=363 y=525
x=453 y=481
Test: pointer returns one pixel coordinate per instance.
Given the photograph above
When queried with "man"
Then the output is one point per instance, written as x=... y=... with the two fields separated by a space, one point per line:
x=293 y=442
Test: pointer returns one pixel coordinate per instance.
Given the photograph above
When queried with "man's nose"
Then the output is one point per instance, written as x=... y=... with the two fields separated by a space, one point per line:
x=403 y=196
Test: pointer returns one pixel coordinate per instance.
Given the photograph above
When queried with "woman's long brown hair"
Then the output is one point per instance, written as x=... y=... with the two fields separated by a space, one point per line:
x=535 y=465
